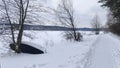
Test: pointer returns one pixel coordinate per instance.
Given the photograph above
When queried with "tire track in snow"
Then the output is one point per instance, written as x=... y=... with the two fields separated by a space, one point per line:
x=100 y=55
x=86 y=59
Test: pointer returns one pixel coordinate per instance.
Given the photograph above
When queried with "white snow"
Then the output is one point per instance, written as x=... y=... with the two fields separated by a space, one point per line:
x=102 y=55
x=95 y=51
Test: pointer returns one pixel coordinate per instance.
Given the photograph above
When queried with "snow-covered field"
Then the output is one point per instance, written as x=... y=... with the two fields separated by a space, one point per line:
x=95 y=51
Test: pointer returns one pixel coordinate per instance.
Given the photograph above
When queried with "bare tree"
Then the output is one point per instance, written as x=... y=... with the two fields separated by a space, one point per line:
x=65 y=15
x=18 y=8
x=21 y=12
x=96 y=24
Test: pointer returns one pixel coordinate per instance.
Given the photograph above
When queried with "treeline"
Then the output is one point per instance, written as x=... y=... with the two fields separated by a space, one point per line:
x=113 y=22
x=46 y=28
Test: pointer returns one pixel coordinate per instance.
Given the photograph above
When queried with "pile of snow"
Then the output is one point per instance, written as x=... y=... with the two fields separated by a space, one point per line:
x=60 y=53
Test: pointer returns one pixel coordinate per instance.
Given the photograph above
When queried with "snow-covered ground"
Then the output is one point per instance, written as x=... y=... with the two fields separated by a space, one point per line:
x=95 y=51
x=105 y=53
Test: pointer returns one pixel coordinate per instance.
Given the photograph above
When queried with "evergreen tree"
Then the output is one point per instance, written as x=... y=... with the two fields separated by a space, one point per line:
x=114 y=6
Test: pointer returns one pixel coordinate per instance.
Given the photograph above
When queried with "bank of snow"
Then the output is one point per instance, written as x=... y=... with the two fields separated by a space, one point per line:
x=59 y=52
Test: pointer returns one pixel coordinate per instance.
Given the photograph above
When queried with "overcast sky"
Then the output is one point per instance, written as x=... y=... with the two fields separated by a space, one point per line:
x=85 y=10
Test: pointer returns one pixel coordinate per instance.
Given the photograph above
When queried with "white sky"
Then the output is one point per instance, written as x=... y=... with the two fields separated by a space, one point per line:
x=85 y=10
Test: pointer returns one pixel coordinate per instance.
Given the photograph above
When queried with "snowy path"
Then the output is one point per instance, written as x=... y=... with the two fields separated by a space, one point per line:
x=102 y=54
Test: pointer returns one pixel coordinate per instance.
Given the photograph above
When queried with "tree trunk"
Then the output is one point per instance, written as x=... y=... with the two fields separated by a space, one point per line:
x=19 y=39
x=21 y=27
